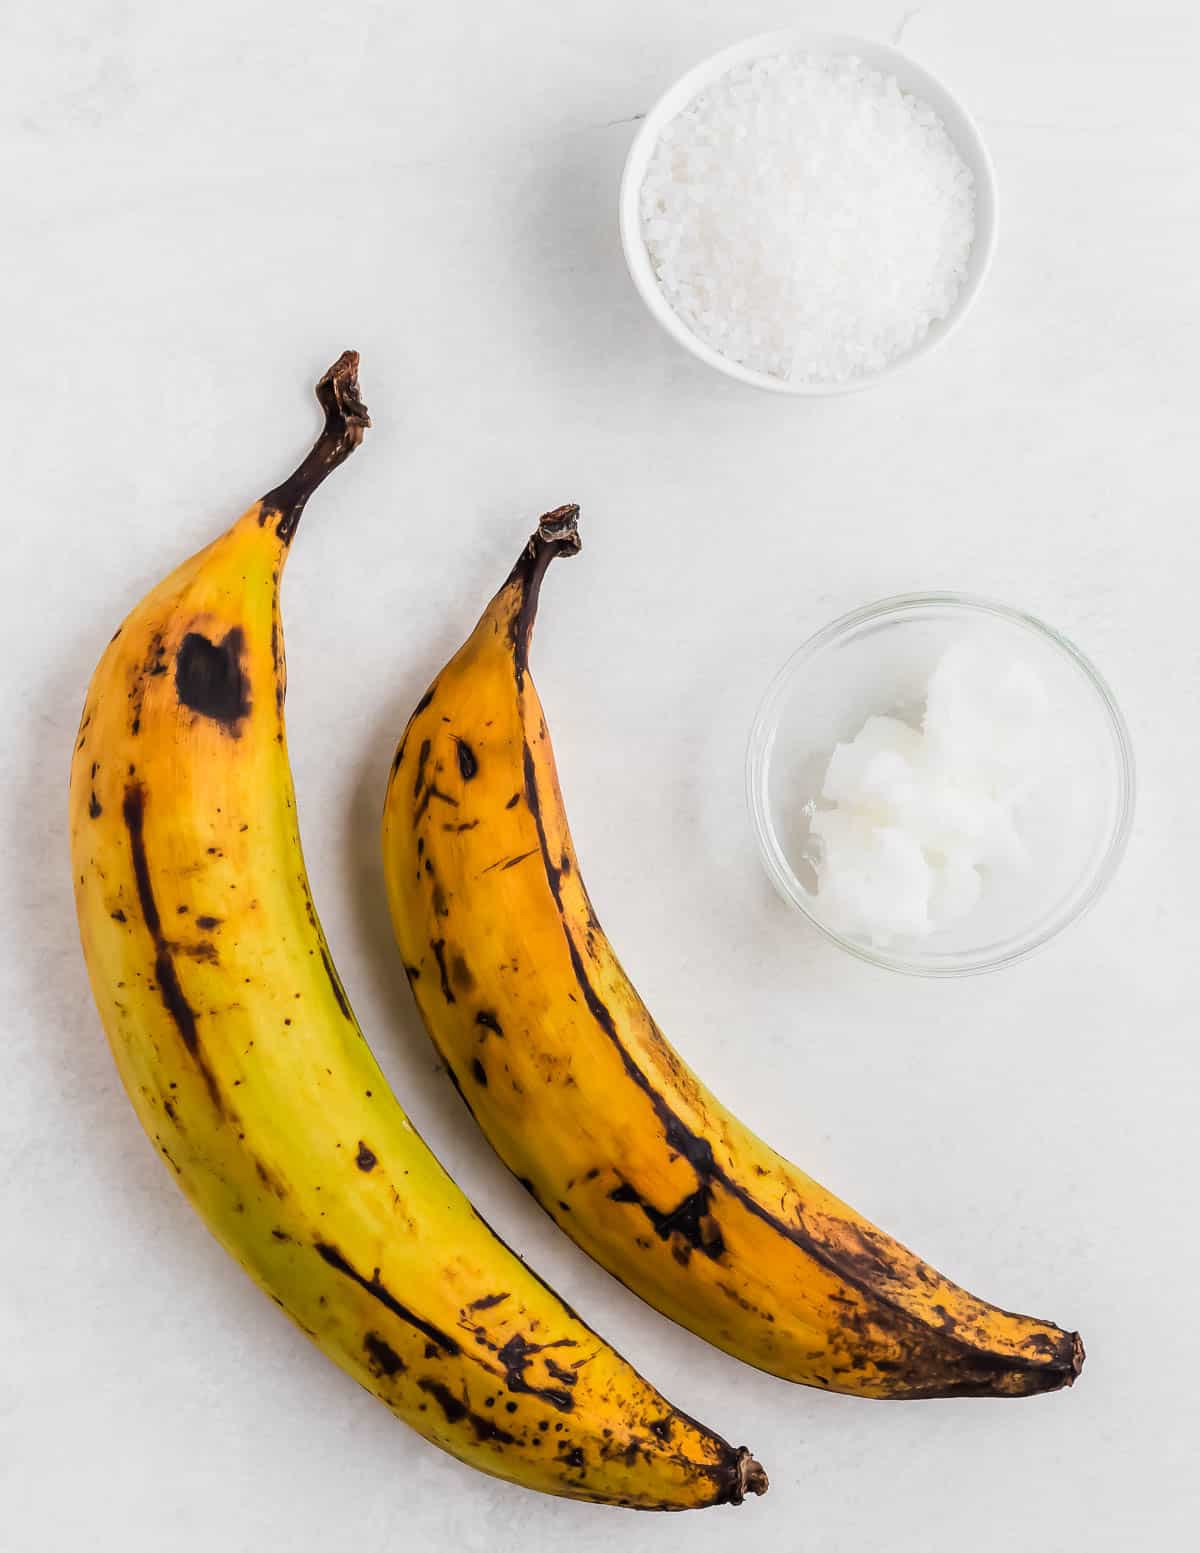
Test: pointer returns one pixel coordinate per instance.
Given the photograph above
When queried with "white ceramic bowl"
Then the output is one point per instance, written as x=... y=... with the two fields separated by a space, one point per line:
x=879 y=660
x=881 y=56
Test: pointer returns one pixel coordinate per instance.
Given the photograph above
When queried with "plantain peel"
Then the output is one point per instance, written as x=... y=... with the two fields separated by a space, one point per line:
x=237 y=1045
x=583 y=1098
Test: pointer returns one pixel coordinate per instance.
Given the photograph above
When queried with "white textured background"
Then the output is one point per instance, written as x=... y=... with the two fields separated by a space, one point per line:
x=202 y=204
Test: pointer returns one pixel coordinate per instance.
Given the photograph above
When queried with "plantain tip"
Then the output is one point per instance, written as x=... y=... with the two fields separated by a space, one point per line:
x=748 y=1477
x=339 y=397
x=560 y=528
x=346 y=419
x=557 y=534
x=1059 y=1374
x=1078 y=1355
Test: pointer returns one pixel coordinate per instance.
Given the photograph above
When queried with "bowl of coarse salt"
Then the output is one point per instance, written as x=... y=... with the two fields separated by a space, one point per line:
x=808 y=212
x=941 y=784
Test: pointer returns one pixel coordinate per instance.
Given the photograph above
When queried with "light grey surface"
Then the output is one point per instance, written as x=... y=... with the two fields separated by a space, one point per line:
x=203 y=204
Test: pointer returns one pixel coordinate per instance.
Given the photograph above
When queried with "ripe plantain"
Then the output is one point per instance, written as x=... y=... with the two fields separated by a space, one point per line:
x=238 y=1048
x=582 y=1097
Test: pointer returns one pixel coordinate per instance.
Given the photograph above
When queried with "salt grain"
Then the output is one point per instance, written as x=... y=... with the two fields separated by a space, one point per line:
x=808 y=219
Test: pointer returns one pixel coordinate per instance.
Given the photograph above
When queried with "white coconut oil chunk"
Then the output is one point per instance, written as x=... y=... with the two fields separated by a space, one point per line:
x=914 y=825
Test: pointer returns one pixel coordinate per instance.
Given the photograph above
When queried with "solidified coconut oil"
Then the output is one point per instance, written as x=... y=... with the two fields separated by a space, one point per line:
x=915 y=821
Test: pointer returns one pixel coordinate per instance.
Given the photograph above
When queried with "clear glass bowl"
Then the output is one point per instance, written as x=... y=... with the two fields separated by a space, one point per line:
x=879 y=660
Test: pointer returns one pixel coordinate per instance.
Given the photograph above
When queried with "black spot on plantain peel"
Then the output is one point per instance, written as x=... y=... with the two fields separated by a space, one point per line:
x=382 y=1359
x=456 y=1411
x=516 y=1357
x=170 y=990
x=209 y=678
x=440 y=1342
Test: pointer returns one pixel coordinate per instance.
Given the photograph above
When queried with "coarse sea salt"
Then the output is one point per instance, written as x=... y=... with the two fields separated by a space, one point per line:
x=914 y=822
x=807 y=218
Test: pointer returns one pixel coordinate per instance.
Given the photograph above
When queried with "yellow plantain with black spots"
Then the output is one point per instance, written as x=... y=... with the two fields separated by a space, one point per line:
x=243 y=1060
x=580 y=1094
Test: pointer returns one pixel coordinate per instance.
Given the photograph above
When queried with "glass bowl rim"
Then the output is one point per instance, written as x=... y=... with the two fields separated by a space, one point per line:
x=762 y=740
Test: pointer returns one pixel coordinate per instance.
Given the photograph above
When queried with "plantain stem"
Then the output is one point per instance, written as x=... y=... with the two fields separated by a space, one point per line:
x=346 y=419
x=557 y=533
